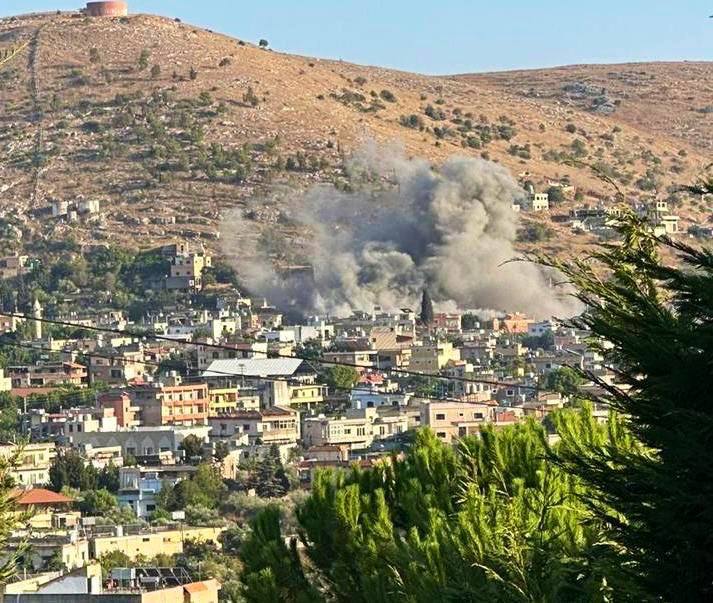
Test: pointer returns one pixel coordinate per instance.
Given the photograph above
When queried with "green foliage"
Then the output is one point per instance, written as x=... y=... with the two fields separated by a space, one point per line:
x=94 y=56
x=263 y=43
x=69 y=469
x=192 y=445
x=555 y=194
x=204 y=488
x=97 y=502
x=155 y=72
x=491 y=519
x=11 y=518
x=143 y=61
x=269 y=478
x=564 y=380
x=341 y=377
x=469 y=321
x=658 y=318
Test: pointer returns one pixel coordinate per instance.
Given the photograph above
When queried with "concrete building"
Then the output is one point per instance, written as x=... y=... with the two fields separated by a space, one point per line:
x=172 y=403
x=142 y=441
x=223 y=400
x=452 y=420
x=123 y=366
x=430 y=358
x=148 y=544
x=33 y=463
x=274 y=425
x=120 y=403
x=48 y=374
x=13 y=265
x=140 y=486
x=107 y=8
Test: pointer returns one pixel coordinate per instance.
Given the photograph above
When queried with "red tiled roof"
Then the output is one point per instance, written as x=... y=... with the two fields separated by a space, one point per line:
x=40 y=496
x=195 y=587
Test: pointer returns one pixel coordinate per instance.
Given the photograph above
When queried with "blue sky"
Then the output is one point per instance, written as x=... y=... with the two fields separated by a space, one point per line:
x=449 y=36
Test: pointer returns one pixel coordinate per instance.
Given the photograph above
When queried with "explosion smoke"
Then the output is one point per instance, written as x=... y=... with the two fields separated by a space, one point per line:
x=451 y=229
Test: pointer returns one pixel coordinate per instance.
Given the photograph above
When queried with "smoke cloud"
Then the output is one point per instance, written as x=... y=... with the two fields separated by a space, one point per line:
x=450 y=229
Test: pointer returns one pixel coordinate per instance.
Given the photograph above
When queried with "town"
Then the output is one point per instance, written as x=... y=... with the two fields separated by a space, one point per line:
x=112 y=417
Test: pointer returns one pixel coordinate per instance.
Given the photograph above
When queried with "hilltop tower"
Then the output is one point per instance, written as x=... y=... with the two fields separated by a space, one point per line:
x=107 y=8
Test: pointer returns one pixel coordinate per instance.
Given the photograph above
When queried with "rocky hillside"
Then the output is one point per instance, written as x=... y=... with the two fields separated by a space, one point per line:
x=171 y=126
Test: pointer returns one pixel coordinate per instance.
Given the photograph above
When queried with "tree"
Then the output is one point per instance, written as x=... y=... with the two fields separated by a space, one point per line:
x=11 y=518
x=143 y=61
x=555 y=194
x=469 y=321
x=658 y=319
x=97 y=502
x=155 y=72
x=69 y=469
x=192 y=445
x=269 y=478
x=564 y=380
x=263 y=43
x=341 y=377
x=426 y=308
x=488 y=520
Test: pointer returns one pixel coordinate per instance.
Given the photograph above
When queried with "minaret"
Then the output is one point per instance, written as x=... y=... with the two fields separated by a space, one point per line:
x=37 y=314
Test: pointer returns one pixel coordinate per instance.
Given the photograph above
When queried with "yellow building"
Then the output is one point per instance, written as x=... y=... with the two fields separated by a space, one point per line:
x=301 y=394
x=33 y=463
x=229 y=399
x=432 y=357
x=168 y=542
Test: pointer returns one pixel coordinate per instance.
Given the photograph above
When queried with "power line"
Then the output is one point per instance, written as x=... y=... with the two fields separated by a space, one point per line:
x=220 y=373
x=398 y=371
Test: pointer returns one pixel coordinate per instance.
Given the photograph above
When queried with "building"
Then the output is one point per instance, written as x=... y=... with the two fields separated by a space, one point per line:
x=68 y=546
x=360 y=359
x=117 y=366
x=269 y=426
x=513 y=323
x=139 y=486
x=142 y=441
x=430 y=358
x=49 y=509
x=12 y=266
x=229 y=399
x=173 y=403
x=357 y=428
x=107 y=8
x=187 y=271
x=120 y=403
x=292 y=393
x=452 y=420
x=47 y=374
x=33 y=463
x=539 y=202
x=149 y=544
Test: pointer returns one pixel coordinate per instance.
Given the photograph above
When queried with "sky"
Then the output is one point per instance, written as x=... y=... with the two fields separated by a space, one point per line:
x=449 y=36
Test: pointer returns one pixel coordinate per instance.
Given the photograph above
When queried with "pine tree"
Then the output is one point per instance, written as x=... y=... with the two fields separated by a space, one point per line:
x=426 y=308
x=491 y=519
x=658 y=318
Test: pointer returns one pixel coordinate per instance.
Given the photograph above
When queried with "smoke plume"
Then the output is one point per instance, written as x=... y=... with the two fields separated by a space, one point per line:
x=450 y=229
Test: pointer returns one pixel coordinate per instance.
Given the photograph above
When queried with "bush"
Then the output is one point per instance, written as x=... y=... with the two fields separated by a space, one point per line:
x=571 y=128
x=388 y=96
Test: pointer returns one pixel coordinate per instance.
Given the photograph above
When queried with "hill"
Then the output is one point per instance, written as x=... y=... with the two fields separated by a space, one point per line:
x=171 y=127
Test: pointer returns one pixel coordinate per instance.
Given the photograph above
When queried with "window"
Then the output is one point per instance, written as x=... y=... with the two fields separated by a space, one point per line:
x=440 y=416
x=441 y=434
x=478 y=415
x=246 y=427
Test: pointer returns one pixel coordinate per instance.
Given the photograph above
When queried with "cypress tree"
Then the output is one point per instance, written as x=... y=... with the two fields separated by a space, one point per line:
x=426 y=308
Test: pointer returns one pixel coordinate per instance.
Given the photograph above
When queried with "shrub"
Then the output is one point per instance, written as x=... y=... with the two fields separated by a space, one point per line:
x=388 y=96
x=571 y=128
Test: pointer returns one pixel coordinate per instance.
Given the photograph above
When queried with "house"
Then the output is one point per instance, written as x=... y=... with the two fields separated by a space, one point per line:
x=141 y=442
x=276 y=425
x=13 y=265
x=171 y=403
x=539 y=202
x=33 y=463
x=48 y=509
x=452 y=420
x=515 y=322
x=117 y=366
x=125 y=411
x=430 y=358
x=360 y=359
x=139 y=486
x=228 y=399
x=148 y=544
x=187 y=271
x=46 y=374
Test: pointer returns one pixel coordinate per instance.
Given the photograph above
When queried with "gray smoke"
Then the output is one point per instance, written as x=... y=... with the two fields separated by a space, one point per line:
x=451 y=230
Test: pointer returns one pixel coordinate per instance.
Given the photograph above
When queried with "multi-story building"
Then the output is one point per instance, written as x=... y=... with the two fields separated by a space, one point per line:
x=269 y=426
x=124 y=366
x=48 y=374
x=430 y=358
x=187 y=271
x=360 y=359
x=125 y=411
x=357 y=428
x=171 y=403
x=452 y=420
x=229 y=399
x=12 y=266
x=33 y=464
x=139 y=486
